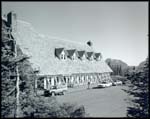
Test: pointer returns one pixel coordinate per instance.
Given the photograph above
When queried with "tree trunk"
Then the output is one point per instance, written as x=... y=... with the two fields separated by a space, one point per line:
x=17 y=114
x=17 y=94
x=35 y=86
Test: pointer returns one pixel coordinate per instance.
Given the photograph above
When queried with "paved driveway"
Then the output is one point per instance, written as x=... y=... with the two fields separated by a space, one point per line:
x=102 y=102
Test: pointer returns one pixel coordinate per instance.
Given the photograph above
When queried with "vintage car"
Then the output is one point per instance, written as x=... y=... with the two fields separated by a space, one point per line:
x=104 y=84
x=56 y=90
x=117 y=82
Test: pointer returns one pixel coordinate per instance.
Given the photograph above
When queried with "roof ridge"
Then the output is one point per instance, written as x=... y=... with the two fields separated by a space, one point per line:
x=24 y=22
x=65 y=40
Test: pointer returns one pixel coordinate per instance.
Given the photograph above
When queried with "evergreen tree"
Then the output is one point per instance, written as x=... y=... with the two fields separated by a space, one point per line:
x=8 y=72
x=139 y=89
x=30 y=104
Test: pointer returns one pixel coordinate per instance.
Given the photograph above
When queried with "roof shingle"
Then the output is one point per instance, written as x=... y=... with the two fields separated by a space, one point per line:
x=42 y=49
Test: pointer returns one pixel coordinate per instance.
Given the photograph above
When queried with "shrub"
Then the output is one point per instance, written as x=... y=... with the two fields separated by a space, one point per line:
x=139 y=90
x=48 y=107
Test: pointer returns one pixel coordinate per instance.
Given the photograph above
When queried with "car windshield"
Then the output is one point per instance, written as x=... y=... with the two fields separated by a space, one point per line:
x=104 y=82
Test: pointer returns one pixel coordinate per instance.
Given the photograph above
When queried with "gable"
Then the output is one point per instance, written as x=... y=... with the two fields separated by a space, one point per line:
x=58 y=51
x=90 y=54
x=98 y=56
x=72 y=53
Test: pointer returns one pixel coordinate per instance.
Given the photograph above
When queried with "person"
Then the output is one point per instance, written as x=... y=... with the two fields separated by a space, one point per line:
x=88 y=84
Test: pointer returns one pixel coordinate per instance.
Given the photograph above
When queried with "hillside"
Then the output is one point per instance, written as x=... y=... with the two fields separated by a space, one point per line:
x=119 y=67
x=114 y=62
x=142 y=64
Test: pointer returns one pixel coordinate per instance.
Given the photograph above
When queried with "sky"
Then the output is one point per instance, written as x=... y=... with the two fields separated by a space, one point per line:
x=119 y=30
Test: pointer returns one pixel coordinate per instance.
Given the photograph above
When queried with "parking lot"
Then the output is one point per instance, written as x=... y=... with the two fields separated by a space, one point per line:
x=98 y=102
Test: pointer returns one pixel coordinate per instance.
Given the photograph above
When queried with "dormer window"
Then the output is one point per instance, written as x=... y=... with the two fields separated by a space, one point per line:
x=62 y=56
x=97 y=56
x=61 y=53
x=90 y=55
x=72 y=54
x=82 y=55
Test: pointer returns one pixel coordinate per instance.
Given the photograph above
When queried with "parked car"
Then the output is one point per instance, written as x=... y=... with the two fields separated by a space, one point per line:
x=120 y=78
x=104 y=84
x=117 y=82
x=70 y=85
x=56 y=90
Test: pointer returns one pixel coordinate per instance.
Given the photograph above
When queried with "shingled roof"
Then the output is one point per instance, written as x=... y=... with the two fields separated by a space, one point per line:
x=42 y=51
x=71 y=52
x=89 y=54
x=81 y=53
x=58 y=51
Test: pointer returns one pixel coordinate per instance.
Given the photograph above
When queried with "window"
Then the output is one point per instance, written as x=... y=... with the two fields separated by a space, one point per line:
x=73 y=57
x=64 y=56
x=99 y=58
x=90 y=58
x=61 y=56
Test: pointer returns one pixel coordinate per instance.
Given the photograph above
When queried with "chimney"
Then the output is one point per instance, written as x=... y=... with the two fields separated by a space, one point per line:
x=12 y=20
x=89 y=43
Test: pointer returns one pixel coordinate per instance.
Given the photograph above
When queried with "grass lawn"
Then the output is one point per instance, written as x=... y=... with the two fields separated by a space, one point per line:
x=101 y=102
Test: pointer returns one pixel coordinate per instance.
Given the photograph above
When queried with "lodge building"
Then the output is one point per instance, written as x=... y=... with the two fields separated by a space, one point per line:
x=59 y=61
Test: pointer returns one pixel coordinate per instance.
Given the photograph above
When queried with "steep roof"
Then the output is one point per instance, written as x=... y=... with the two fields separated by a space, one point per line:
x=42 y=51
